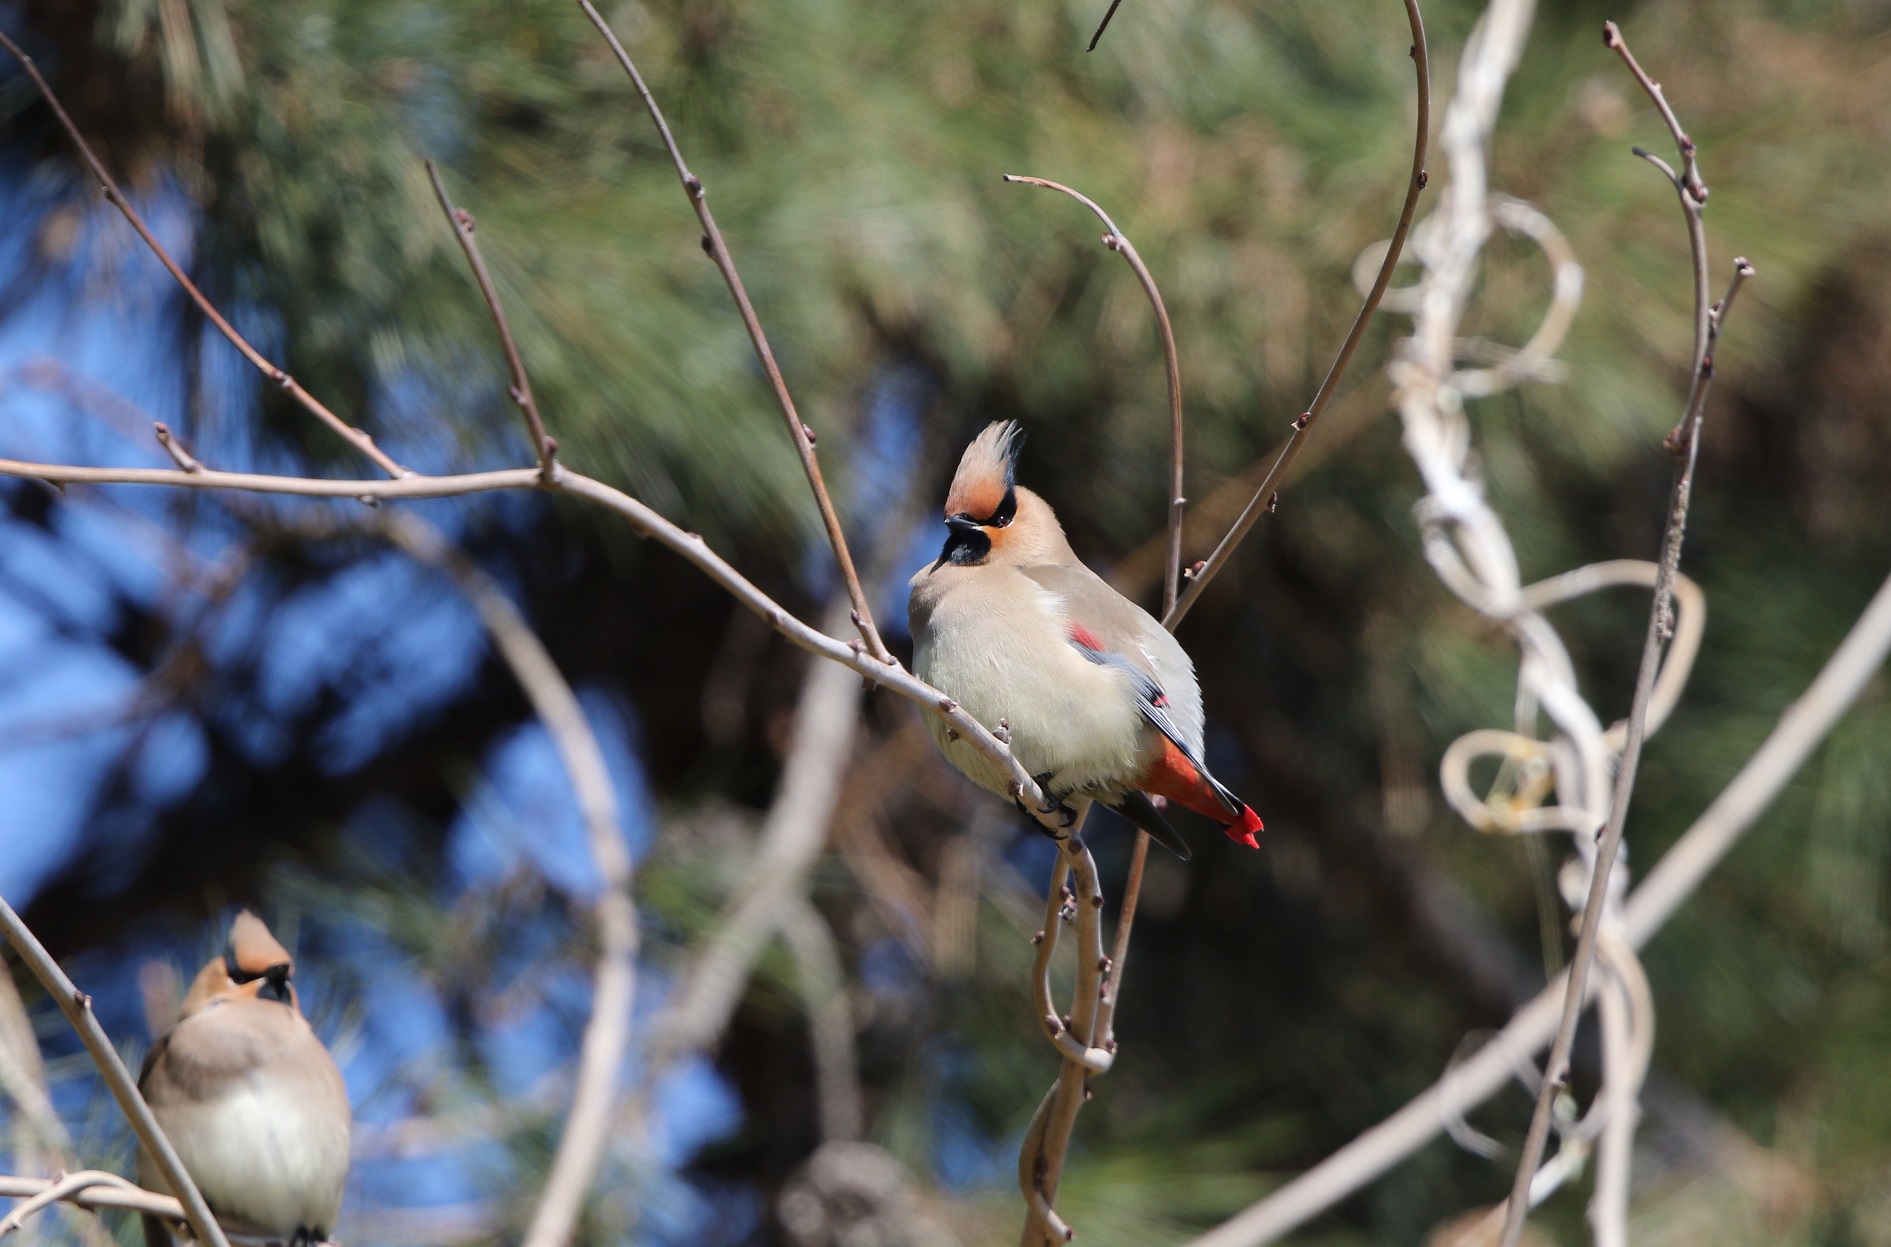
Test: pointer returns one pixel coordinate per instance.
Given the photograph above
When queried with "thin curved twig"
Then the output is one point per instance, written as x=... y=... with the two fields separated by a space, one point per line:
x=282 y=380
x=799 y=433
x=119 y=1194
x=543 y=445
x=77 y=1006
x=1116 y=240
x=1685 y=442
x=63 y=1187
x=1264 y=496
x=1802 y=727
x=614 y=980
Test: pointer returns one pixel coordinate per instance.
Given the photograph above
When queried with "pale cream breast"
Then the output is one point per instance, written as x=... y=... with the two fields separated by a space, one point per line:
x=998 y=644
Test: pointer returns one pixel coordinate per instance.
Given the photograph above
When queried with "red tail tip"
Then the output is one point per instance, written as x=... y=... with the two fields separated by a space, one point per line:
x=1243 y=831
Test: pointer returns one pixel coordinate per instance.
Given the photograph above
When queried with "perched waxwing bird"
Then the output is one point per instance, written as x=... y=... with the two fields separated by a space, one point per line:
x=250 y=1098
x=1099 y=700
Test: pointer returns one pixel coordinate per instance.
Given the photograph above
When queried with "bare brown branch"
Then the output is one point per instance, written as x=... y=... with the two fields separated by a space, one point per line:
x=1265 y=497
x=1103 y=25
x=640 y=517
x=799 y=433
x=521 y=392
x=117 y=1193
x=1685 y=442
x=1047 y=1141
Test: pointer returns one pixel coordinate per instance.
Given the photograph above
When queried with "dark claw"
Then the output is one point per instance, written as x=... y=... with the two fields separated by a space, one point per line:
x=1066 y=815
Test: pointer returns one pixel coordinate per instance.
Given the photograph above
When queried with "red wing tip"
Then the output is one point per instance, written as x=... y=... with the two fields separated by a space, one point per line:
x=1086 y=638
x=1243 y=831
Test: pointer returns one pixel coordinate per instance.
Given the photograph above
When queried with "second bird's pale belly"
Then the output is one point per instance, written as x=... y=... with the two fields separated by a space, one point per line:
x=262 y=1157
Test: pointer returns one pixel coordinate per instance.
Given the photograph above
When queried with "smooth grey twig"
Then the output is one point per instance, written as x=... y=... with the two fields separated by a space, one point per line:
x=642 y=518
x=118 y=1194
x=1116 y=240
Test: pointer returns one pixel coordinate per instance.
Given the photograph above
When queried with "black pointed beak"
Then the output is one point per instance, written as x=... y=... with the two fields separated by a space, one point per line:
x=965 y=541
x=275 y=984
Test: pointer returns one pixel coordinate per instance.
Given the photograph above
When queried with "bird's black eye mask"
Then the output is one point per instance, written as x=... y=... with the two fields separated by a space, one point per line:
x=967 y=543
x=275 y=978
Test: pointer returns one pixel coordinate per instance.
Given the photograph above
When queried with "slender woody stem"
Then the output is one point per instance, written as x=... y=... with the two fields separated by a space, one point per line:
x=1116 y=240
x=1103 y=25
x=641 y=517
x=118 y=1194
x=1046 y=1164
x=799 y=433
x=77 y=1006
x=288 y=384
x=1266 y=496
x=65 y=1187
x=1693 y=196
x=521 y=392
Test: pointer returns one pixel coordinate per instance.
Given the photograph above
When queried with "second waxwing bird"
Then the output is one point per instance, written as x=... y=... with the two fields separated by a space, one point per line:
x=1099 y=700
x=250 y=1098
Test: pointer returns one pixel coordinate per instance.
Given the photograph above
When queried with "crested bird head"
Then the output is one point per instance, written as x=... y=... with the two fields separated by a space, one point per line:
x=988 y=516
x=254 y=966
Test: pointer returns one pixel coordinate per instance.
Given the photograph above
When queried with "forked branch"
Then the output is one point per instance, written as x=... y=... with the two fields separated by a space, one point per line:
x=1801 y=729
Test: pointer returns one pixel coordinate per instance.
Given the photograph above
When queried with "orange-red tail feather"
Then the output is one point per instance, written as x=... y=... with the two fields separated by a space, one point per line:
x=1172 y=775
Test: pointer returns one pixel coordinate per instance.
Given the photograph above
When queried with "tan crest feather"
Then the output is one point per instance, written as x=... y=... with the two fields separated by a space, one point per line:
x=252 y=948
x=986 y=471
